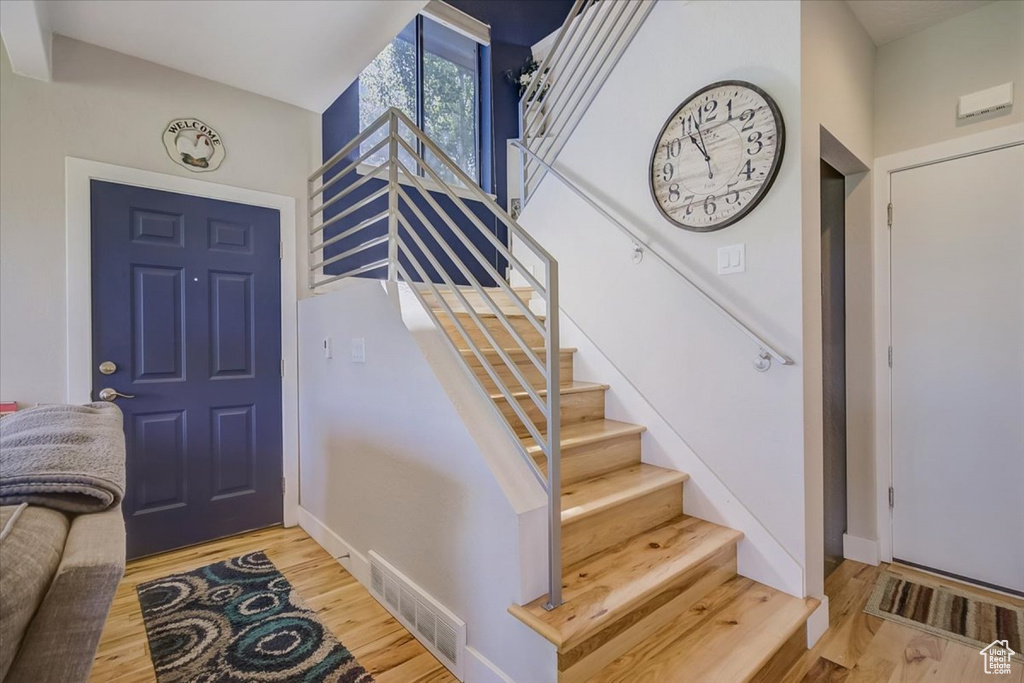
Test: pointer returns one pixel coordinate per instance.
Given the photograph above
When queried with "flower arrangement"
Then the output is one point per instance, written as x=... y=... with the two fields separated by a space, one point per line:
x=524 y=76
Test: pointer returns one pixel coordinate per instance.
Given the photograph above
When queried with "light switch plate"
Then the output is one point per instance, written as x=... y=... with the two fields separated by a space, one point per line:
x=732 y=259
x=328 y=348
x=358 y=350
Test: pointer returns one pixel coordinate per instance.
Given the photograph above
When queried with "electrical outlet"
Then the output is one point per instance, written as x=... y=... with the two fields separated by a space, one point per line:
x=358 y=350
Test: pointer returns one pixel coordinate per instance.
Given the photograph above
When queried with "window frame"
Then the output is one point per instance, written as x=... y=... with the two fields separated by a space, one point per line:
x=479 y=105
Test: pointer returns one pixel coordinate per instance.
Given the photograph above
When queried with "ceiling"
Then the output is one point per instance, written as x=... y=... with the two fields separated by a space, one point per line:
x=304 y=52
x=889 y=20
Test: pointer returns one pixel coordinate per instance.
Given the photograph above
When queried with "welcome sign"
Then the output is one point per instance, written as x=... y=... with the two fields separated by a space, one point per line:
x=194 y=145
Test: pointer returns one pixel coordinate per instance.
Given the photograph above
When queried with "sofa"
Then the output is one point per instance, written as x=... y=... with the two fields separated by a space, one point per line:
x=58 y=575
x=62 y=538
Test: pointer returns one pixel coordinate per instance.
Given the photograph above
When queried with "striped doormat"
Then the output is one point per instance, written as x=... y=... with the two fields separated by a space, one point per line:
x=947 y=612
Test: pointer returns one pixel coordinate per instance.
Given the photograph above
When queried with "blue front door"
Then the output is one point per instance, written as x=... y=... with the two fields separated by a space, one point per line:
x=186 y=304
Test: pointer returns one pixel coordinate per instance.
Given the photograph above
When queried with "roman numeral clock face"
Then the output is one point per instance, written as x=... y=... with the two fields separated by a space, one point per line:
x=717 y=156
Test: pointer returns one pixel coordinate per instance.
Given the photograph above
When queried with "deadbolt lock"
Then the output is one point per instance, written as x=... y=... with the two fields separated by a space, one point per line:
x=108 y=367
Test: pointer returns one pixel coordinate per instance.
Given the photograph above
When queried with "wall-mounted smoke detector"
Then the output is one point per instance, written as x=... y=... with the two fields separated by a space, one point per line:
x=985 y=101
x=438 y=629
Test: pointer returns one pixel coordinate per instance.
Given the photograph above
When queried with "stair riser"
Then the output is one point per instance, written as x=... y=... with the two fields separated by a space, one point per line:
x=524 y=327
x=526 y=368
x=584 y=660
x=575 y=407
x=590 y=535
x=583 y=462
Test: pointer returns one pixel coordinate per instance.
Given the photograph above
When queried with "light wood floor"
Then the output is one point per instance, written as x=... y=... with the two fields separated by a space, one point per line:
x=381 y=644
x=860 y=648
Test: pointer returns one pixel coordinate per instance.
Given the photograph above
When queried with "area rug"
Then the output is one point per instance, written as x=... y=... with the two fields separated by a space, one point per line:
x=947 y=612
x=239 y=620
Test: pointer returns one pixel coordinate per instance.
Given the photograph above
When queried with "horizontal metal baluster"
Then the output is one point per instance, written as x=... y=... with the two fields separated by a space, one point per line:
x=512 y=366
x=352 y=273
x=555 y=137
x=353 y=208
x=354 y=250
x=542 y=69
x=583 y=49
x=482 y=197
x=351 y=188
x=488 y=235
x=349 y=232
x=514 y=333
x=488 y=368
x=552 y=61
x=477 y=382
x=378 y=123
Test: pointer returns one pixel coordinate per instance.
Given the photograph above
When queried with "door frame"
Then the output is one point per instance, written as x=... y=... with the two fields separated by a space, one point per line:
x=947 y=150
x=78 y=225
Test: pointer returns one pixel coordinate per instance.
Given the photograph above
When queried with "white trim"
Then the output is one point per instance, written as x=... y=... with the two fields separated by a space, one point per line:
x=884 y=167
x=479 y=669
x=860 y=549
x=78 y=220
x=356 y=563
x=458 y=21
x=428 y=183
x=817 y=623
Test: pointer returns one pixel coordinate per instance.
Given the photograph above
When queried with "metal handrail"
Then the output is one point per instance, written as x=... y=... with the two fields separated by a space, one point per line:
x=766 y=351
x=409 y=245
x=588 y=46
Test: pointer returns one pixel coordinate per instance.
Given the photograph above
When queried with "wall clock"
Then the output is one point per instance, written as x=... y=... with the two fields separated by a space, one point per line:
x=717 y=156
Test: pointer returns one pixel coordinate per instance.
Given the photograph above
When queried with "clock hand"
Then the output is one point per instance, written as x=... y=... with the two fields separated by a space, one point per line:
x=707 y=158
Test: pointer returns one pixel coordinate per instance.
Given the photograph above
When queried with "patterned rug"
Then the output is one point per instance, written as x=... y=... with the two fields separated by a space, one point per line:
x=239 y=620
x=947 y=612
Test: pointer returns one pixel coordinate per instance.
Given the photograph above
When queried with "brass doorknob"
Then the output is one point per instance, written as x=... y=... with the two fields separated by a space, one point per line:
x=109 y=394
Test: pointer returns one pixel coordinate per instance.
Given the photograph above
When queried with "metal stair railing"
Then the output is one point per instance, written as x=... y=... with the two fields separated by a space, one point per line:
x=585 y=51
x=400 y=238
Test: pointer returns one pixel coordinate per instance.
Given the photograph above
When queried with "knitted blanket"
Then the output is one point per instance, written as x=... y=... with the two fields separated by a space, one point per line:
x=65 y=457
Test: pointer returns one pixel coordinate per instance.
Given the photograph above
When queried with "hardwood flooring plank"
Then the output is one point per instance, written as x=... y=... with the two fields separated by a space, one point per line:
x=380 y=643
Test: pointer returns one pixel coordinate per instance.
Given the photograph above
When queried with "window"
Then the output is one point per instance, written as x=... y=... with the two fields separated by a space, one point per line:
x=432 y=74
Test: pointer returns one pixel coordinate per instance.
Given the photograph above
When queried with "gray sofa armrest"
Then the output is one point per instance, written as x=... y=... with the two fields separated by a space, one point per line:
x=61 y=642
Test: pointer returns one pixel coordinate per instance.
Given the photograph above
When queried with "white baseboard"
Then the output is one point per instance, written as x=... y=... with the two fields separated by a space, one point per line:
x=356 y=563
x=817 y=623
x=860 y=549
x=479 y=669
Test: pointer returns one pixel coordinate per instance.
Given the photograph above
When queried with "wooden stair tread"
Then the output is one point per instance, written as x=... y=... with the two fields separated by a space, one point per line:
x=729 y=635
x=608 y=585
x=591 y=496
x=582 y=433
x=574 y=388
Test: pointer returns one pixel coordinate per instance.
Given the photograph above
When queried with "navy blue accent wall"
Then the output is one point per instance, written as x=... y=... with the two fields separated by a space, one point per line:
x=515 y=26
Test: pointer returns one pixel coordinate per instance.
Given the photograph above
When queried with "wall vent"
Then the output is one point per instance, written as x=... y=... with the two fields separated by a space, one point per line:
x=439 y=630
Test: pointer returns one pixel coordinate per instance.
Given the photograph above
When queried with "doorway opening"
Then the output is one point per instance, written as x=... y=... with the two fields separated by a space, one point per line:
x=833 y=338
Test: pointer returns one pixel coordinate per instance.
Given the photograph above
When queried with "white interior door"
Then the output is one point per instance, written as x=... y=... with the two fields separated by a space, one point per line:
x=957 y=246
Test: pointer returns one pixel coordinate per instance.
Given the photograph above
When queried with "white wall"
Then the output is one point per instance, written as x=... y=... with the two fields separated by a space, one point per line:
x=921 y=77
x=108 y=107
x=686 y=360
x=390 y=465
x=837 y=77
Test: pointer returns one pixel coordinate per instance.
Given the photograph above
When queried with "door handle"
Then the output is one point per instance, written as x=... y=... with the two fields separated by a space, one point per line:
x=109 y=394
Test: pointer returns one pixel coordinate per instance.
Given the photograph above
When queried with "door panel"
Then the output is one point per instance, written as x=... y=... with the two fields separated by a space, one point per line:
x=186 y=303
x=957 y=244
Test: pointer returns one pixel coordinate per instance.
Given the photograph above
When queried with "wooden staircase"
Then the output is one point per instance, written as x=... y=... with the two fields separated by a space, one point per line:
x=649 y=593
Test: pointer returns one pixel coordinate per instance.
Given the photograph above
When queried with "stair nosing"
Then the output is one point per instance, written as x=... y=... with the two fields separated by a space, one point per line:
x=607 y=502
x=517 y=350
x=534 y=448
x=577 y=387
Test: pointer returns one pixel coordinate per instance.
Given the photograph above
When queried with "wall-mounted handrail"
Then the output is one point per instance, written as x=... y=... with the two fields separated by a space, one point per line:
x=766 y=351
x=344 y=223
